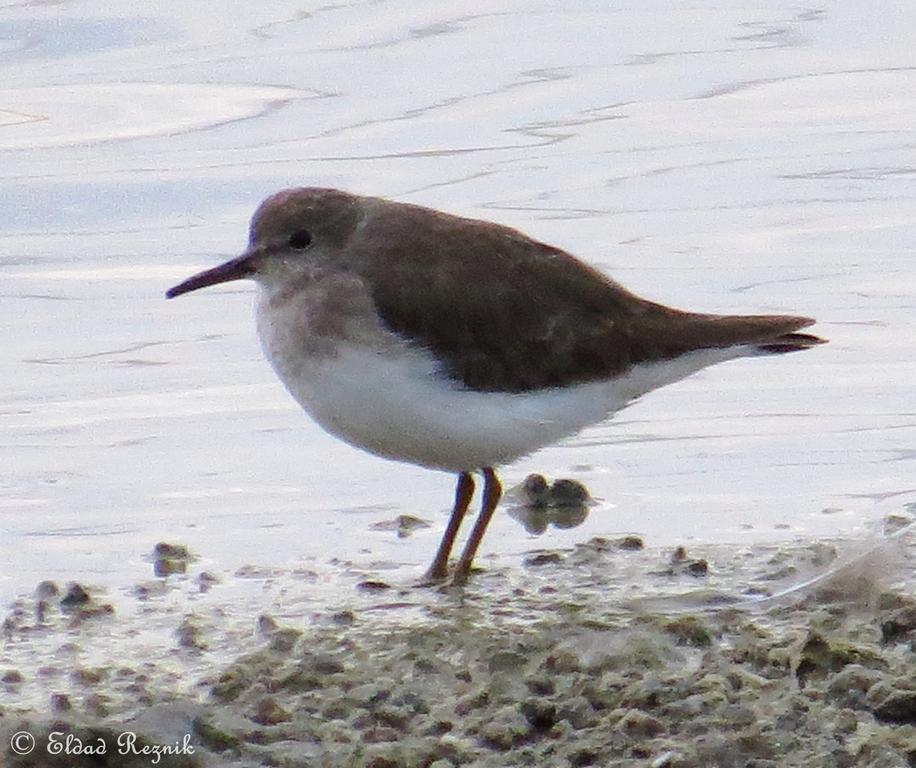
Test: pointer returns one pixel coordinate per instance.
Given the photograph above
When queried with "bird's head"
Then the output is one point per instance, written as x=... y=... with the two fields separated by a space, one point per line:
x=293 y=234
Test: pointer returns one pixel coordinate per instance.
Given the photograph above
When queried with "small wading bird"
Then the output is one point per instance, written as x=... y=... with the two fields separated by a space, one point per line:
x=458 y=344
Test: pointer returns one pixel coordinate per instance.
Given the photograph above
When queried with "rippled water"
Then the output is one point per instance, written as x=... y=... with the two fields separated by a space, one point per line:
x=717 y=158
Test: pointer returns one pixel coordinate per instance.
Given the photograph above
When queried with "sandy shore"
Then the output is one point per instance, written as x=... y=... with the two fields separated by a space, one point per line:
x=607 y=655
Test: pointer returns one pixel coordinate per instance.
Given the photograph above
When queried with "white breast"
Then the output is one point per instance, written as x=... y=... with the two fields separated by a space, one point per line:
x=394 y=401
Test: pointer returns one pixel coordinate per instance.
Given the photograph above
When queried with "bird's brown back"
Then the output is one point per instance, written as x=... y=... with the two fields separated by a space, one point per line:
x=507 y=313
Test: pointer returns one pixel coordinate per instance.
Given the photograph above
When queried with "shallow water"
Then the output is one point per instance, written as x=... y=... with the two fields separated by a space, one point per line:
x=721 y=159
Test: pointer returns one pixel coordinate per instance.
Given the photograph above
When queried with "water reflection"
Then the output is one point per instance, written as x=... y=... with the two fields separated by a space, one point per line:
x=540 y=504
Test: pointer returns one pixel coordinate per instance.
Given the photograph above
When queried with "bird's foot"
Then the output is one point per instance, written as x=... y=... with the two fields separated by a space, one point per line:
x=460 y=575
x=434 y=577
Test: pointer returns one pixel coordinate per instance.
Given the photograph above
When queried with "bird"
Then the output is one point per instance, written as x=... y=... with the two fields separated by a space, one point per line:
x=460 y=344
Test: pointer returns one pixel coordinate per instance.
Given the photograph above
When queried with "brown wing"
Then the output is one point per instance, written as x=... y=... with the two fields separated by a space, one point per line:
x=510 y=314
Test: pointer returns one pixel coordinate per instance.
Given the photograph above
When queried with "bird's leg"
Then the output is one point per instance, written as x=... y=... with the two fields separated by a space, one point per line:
x=492 y=491
x=463 y=493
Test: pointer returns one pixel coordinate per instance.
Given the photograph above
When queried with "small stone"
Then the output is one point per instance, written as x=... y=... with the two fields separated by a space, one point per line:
x=539 y=713
x=639 y=724
x=543 y=558
x=232 y=683
x=150 y=589
x=565 y=493
x=679 y=555
x=630 y=543
x=206 y=580
x=562 y=662
x=467 y=704
x=284 y=640
x=504 y=731
x=439 y=728
x=213 y=738
x=535 y=491
x=898 y=707
x=898 y=625
x=373 y=586
x=337 y=710
x=413 y=702
x=91 y=612
x=170 y=558
x=849 y=686
x=75 y=596
x=819 y=657
x=698 y=568
x=266 y=625
x=382 y=761
x=175 y=551
x=392 y=717
x=11 y=677
x=344 y=618
x=369 y=695
x=88 y=677
x=689 y=630
x=541 y=686
x=97 y=704
x=583 y=757
x=846 y=721
x=269 y=712
x=190 y=635
x=60 y=702
x=324 y=664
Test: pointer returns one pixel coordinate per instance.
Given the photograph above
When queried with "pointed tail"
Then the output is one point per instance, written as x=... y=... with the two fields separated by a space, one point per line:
x=790 y=342
x=760 y=334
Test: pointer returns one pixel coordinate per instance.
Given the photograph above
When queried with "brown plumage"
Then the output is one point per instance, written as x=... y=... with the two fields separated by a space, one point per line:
x=507 y=313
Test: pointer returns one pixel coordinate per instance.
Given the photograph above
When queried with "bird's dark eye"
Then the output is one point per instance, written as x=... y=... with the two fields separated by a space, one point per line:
x=300 y=239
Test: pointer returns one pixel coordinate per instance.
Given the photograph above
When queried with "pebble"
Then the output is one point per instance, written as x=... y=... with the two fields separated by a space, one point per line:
x=75 y=596
x=169 y=559
x=565 y=492
x=11 y=677
x=898 y=706
x=60 y=702
x=543 y=558
x=636 y=723
x=540 y=714
x=535 y=491
x=373 y=586
x=504 y=730
x=190 y=634
x=269 y=712
x=577 y=712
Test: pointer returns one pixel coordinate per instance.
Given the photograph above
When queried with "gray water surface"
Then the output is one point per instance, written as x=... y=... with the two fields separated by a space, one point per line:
x=719 y=158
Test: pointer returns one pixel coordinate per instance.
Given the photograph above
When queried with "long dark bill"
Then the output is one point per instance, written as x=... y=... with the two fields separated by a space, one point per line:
x=235 y=269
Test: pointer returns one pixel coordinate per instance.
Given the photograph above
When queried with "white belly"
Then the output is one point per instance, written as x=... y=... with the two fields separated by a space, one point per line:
x=397 y=404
